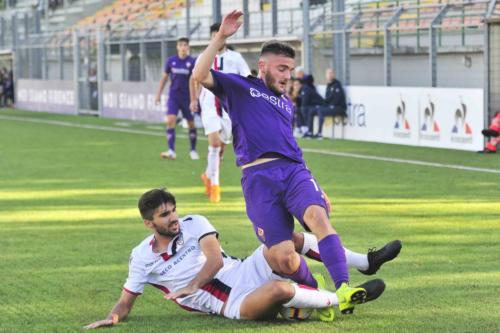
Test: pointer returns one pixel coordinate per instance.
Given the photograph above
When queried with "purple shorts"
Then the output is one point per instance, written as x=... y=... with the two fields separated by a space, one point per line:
x=175 y=104
x=274 y=193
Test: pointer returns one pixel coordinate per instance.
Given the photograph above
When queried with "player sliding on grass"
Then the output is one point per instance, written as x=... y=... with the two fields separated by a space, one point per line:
x=183 y=258
x=276 y=182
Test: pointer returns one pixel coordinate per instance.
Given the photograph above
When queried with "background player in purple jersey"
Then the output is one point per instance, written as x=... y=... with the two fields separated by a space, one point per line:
x=179 y=68
x=276 y=183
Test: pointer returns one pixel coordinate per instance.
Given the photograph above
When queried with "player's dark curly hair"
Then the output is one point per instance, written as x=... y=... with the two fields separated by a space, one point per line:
x=183 y=39
x=279 y=48
x=215 y=27
x=153 y=199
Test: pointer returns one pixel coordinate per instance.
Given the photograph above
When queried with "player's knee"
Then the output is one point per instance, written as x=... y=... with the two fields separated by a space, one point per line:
x=317 y=220
x=314 y=213
x=288 y=262
x=216 y=143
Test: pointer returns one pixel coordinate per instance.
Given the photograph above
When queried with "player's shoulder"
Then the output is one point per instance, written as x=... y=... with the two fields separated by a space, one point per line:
x=195 y=225
x=172 y=58
x=234 y=55
x=190 y=220
x=143 y=250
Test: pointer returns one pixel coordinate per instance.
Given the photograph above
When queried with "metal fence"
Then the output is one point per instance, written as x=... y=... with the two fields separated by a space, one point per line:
x=369 y=43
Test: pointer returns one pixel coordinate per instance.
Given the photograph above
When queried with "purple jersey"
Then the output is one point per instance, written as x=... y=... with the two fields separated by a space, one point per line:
x=262 y=120
x=179 y=70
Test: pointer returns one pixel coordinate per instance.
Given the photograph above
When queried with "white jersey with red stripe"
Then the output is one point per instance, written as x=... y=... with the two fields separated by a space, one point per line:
x=175 y=268
x=226 y=62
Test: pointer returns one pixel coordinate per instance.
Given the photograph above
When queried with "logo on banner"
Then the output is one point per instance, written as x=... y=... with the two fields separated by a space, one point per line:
x=356 y=115
x=430 y=128
x=461 y=131
x=402 y=126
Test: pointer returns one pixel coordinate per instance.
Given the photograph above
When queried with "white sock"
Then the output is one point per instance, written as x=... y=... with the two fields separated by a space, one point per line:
x=213 y=164
x=307 y=297
x=357 y=260
x=311 y=250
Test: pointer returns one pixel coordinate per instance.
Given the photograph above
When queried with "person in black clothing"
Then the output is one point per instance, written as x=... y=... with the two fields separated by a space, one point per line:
x=310 y=101
x=8 y=87
x=334 y=104
x=299 y=121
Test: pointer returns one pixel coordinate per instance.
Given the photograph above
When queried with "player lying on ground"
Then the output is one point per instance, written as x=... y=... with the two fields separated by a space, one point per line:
x=183 y=258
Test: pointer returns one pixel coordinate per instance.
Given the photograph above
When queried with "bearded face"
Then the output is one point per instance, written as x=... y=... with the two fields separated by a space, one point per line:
x=276 y=70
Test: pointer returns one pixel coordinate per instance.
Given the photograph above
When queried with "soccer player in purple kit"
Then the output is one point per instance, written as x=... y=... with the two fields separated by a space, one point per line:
x=179 y=67
x=276 y=182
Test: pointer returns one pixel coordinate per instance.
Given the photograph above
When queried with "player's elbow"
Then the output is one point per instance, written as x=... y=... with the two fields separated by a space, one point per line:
x=217 y=263
x=198 y=75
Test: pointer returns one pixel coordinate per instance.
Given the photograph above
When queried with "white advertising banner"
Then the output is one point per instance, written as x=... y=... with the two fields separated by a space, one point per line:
x=431 y=117
x=55 y=96
x=133 y=100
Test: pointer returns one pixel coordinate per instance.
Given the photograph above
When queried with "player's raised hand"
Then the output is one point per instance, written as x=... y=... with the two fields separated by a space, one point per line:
x=231 y=23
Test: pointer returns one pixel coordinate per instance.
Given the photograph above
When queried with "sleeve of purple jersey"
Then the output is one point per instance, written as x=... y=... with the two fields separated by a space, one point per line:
x=222 y=83
x=167 y=68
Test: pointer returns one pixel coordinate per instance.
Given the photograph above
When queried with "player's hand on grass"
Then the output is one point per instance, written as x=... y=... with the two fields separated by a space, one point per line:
x=193 y=106
x=183 y=292
x=99 y=324
x=231 y=23
x=103 y=323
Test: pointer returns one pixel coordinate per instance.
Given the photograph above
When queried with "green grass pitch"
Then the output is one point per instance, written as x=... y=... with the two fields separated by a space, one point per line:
x=68 y=221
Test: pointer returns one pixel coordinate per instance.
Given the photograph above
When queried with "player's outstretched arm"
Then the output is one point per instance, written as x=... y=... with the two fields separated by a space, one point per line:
x=211 y=249
x=118 y=313
x=194 y=93
x=229 y=25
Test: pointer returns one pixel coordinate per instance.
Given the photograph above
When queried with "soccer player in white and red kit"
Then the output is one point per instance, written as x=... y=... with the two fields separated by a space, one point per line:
x=183 y=258
x=216 y=121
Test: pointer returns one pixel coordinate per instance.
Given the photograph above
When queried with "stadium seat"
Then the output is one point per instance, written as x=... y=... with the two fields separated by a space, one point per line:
x=135 y=12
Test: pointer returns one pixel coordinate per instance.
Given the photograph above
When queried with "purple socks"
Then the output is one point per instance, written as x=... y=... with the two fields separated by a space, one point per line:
x=303 y=275
x=192 y=138
x=333 y=256
x=171 y=138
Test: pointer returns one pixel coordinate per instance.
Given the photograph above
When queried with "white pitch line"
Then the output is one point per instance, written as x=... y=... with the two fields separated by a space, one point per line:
x=307 y=150
x=86 y=126
x=402 y=161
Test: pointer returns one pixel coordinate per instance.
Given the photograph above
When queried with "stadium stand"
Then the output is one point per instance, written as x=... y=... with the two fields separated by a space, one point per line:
x=134 y=13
